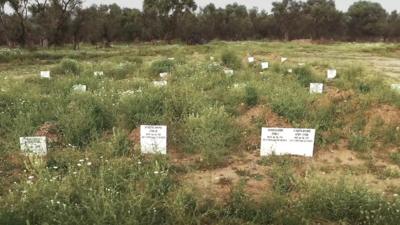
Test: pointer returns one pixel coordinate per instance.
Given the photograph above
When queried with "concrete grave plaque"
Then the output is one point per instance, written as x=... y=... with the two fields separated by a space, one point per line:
x=251 y=59
x=79 y=88
x=316 y=88
x=45 y=74
x=228 y=72
x=331 y=74
x=33 y=145
x=153 y=139
x=264 y=65
x=98 y=73
x=287 y=141
x=163 y=75
x=160 y=83
x=395 y=87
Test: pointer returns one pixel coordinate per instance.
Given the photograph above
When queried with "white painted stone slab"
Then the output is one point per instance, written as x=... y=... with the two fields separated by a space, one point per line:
x=98 y=73
x=287 y=141
x=45 y=74
x=331 y=73
x=316 y=88
x=283 y=59
x=33 y=145
x=153 y=139
x=264 y=65
x=160 y=83
x=395 y=87
x=251 y=59
x=163 y=75
x=79 y=88
x=228 y=72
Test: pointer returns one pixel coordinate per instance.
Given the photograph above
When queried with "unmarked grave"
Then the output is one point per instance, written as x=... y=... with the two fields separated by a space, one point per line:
x=153 y=139
x=287 y=141
x=316 y=88
x=33 y=145
x=331 y=74
x=264 y=65
x=45 y=74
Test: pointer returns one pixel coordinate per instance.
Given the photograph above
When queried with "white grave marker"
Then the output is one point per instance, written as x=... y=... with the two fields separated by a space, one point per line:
x=290 y=70
x=287 y=141
x=98 y=73
x=212 y=58
x=153 y=139
x=160 y=83
x=331 y=73
x=171 y=59
x=395 y=87
x=163 y=75
x=33 y=145
x=251 y=59
x=316 y=88
x=283 y=59
x=45 y=74
x=228 y=72
x=264 y=65
x=79 y=88
x=301 y=64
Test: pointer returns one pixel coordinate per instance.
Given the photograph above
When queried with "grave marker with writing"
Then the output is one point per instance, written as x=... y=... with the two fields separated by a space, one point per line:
x=33 y=145
x=153 y=139
x=331 y=74
x=287 y=141
x=45 y=74
x=316 y=88
x=264 y=65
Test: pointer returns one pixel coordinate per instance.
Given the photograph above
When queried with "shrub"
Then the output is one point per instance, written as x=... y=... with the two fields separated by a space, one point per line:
x=147 y=107
x=283 y=179
x=211 y=133
x=162 y=66
x=304 y=75
x=360 y=143
x=120 y=143
x=85 y=118
x=251 y=97
x=231 y=60
x=69 y=66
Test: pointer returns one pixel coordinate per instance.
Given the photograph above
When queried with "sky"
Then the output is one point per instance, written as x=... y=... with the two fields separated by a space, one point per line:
x=342 y=5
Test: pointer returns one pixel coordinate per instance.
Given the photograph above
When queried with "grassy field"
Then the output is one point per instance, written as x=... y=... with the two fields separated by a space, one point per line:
x=213 y=174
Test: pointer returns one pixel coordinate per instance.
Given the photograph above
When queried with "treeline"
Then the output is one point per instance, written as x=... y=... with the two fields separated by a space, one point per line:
x=57 y=22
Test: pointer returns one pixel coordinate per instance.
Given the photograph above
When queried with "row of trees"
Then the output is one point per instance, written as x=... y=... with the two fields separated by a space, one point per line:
x=56 y=22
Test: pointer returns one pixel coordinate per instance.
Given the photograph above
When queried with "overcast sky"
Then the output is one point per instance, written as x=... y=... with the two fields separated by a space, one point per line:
x=343 y=5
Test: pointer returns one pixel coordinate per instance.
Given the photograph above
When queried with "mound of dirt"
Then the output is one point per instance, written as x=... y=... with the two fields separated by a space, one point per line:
x=50 y=131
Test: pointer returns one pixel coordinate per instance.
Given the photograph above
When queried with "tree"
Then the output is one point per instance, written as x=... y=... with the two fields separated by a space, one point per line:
x=324 y=20
x=366 y=20
x=20 y=8
x=288 y=14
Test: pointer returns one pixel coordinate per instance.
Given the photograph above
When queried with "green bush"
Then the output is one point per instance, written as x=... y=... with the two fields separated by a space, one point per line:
x=143 y=108
x=231 y=60
x=212 y=133
x=162 y=66
x=360 y=143
x=304 y=75
x=283 y=179
x=350 y=204
x=69 y=66
x=251 y=97
x=86 y=117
